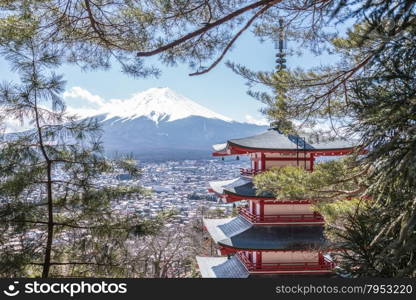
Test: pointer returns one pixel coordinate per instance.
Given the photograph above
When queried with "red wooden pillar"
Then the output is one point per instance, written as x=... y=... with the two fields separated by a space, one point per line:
x=321 y=259
x=252 y=207
x=258 y=259
x=312 y=161
x=263 y=162
x=261 y=217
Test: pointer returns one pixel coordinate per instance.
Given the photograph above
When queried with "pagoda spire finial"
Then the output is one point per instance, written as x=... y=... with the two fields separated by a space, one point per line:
x=281 y=47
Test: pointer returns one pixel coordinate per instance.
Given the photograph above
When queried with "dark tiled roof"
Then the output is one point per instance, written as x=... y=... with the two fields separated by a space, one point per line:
x=236 y=225
x=221 y=267
x=239 y=186
x=295 y=237
x=240 y=234
x=273 y=139
x=232 y=268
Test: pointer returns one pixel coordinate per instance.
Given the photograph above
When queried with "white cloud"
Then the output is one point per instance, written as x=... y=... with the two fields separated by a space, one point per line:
x=252 y=120
x=77 y=92
x=82 y=112
x=91 y=106
x=13 y=125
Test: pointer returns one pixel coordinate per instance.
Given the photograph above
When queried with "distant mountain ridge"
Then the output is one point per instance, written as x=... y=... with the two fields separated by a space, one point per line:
x=190 y=137
x=160 y=124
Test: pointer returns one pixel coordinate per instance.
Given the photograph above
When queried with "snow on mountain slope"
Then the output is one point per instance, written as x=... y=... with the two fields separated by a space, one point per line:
x=157 y=104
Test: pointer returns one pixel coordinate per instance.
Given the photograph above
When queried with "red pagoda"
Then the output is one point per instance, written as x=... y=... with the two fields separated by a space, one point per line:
x=269 y=236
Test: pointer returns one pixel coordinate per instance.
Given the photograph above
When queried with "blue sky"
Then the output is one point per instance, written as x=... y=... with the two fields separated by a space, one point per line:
x=219 y=90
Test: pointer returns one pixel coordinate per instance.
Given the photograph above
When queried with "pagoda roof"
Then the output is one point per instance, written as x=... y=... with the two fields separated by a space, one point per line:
x=238 y=233
x=238 y=189
x=275 y=141
x=221 y=267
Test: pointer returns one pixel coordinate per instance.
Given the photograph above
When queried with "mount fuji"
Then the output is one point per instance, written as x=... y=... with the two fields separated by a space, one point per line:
x=159 y=105
x=160 y=124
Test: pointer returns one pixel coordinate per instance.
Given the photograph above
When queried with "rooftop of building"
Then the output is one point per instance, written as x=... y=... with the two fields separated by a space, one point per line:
x=221 y=267
x=241 y=186
x=238 y=233
x=274 y=140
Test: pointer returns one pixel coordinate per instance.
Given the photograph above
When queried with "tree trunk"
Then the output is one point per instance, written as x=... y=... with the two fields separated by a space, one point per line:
x=48 y=249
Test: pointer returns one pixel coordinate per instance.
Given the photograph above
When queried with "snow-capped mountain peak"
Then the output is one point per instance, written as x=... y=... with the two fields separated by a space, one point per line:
x=158 y=104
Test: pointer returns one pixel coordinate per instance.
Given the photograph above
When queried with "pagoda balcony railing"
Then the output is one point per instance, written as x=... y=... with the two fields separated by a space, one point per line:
x=249 y=172
x=325 y=265
x=283 y=218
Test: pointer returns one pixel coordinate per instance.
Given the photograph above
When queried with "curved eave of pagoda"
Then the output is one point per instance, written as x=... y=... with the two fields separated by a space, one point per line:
x=231 y=197
x=237 y=189
x=235 y=149
x=225 y=249
x=238 y=234
x=233 y=249
x=235 y=267
x=221 y=267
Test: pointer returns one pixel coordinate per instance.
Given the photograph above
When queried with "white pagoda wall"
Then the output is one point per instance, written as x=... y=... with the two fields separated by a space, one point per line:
x=289 y=257
x=291 y=155
x=277 y=209
x=284 y=163
x=268 y=160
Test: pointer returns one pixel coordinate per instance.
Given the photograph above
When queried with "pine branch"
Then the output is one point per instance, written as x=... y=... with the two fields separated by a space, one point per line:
x=229 y=45
x=207 y=28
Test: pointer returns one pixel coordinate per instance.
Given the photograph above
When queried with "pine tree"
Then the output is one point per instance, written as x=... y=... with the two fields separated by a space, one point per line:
x=55 y=217
x=377 y=230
